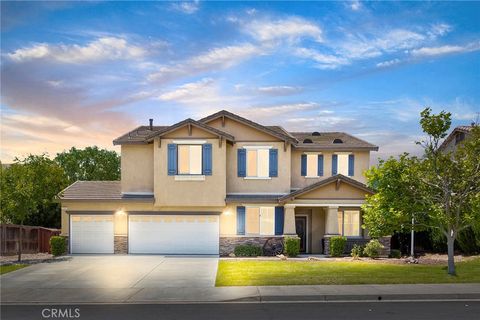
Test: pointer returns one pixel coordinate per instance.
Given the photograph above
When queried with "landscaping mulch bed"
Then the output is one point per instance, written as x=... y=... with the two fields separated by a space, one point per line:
x=31 y=258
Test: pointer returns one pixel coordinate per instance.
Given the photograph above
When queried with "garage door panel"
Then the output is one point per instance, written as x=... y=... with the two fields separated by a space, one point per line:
x=174 y=234
x=92 y=234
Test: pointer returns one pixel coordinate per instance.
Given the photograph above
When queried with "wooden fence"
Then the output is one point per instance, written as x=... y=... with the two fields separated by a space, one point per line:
x=34 y=240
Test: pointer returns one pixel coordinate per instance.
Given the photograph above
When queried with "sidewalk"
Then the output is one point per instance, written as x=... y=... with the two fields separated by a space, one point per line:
x=232 y=294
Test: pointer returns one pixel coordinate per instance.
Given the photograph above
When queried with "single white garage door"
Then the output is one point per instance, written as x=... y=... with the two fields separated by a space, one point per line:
x=91 y=233
x=173 y=234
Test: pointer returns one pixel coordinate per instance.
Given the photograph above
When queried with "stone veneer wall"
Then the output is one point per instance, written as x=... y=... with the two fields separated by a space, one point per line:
x=228 y=244
x=120 y=244
x=350 y=242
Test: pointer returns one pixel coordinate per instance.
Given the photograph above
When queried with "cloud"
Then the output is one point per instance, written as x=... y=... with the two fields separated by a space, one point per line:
x=388 y=63
x=439 y=29
x=291 y=29
x=324 y=61
x=105 y=48
x=212 y=60
x=355 y=5
x=200 y=92
x=447 y=49
x=186 y=7
x=279 y=90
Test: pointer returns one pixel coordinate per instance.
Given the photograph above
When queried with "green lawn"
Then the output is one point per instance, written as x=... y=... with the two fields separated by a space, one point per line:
x=11 y=267
x=269 y=273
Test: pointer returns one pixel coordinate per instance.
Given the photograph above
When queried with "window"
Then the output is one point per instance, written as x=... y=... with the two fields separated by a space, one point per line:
x=343 y=164
x=189 y=159
x=260 y=220
x=258 y=163
x=312 y=165
x=349 y=223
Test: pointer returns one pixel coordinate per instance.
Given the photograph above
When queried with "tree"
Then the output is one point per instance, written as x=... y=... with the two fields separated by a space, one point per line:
x=89 y=164
x=440 y=190
x=28 y=188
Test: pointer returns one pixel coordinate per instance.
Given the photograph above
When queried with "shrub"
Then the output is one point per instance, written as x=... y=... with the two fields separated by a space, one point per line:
x=372 y=249
x=247 y=250
x=337 y=245
x=394 y=253
x=357 y=251
x=292 y=246
x=58 y=245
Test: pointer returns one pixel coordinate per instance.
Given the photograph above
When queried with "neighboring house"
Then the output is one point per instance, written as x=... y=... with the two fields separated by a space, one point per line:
x=455 y=137
x=204 y=187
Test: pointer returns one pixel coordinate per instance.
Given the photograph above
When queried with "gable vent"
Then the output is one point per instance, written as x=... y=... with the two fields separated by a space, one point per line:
x=316 y=133
x=338 y=141
x=307 y=141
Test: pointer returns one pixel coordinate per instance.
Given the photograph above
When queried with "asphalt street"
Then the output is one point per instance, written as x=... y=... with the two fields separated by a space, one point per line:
x=230 y=311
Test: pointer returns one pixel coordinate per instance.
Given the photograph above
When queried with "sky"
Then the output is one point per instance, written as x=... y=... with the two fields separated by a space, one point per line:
x=81 y=74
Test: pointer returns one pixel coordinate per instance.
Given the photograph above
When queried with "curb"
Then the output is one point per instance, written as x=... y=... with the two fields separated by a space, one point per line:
x=385 y=297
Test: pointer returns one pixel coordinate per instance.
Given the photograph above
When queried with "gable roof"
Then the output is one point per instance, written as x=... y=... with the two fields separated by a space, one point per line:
x=138 y=135
x=324 y=140
x=320 y=141
x=336 y=178
x=274 y=131
x=462 y=129
x=194 y=123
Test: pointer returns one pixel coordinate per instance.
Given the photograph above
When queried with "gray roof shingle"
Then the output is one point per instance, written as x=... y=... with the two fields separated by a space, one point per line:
x=324 y=140
x=99 y=190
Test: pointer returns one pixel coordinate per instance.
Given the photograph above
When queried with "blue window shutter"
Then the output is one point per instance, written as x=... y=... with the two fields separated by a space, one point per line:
x=172 y=159
x=334 y=164
x=242 y=162
x=241 y=220
x=320 y=165
x=303 y=169
x=273 y=163
x=207 y=159
x=351 y=165
x=279 y=220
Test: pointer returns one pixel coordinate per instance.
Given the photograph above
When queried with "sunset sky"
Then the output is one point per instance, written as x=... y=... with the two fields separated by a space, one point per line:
x=80 y=74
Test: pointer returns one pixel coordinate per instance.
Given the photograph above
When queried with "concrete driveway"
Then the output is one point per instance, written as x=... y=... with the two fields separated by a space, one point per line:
x=109 y=278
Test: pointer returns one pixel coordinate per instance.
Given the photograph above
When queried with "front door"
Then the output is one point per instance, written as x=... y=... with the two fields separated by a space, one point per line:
x=301 y=229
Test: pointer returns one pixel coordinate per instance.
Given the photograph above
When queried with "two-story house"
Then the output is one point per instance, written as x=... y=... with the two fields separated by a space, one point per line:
x=203 y=187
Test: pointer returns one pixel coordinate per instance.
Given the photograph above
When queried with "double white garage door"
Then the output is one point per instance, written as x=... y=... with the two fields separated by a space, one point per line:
x=149 y=234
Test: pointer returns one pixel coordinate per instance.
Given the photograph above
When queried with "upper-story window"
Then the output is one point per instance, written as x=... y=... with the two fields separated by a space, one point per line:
x=343 y=163
x=257 y=162
x=189 y=159
x=312 y=165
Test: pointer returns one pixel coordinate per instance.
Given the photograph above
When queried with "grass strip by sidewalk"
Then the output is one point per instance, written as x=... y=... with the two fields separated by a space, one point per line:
x=269 y=273
x=11 y=267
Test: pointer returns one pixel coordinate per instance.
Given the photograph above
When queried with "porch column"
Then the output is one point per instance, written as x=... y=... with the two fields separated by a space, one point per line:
x=331 y=223
x=289 y=222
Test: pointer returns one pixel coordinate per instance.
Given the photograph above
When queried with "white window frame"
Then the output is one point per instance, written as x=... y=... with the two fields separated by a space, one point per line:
x=261 y=208
x=257 y=177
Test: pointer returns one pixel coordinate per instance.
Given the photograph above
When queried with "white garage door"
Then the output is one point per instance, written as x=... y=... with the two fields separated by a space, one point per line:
x=91 y=233
x=185 y=234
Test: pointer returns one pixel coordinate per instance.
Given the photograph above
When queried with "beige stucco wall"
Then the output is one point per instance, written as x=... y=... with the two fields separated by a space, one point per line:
x=362 y=163
x=329 y=191
x=209 y=192
x=137 y=168
x=318 y=229
x=280 y=184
